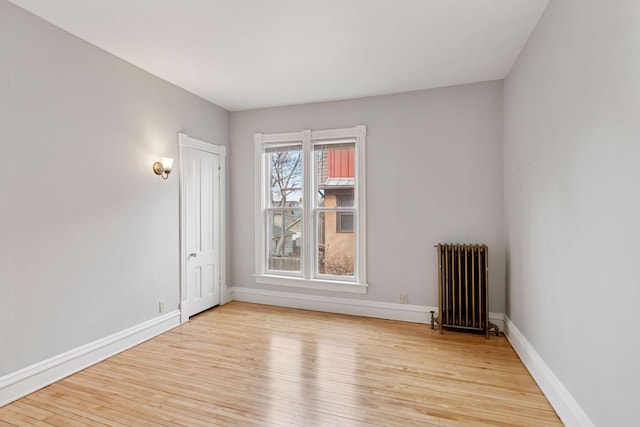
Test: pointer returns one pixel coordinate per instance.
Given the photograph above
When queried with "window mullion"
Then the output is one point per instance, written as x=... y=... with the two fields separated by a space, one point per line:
x=308 y=254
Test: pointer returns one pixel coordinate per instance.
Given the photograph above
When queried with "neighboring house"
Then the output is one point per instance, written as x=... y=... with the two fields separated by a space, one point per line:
x=337 y=183
x=288 y=244
x=295 y=228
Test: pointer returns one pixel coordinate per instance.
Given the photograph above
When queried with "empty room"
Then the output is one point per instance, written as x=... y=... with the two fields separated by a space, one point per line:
x=319 y=213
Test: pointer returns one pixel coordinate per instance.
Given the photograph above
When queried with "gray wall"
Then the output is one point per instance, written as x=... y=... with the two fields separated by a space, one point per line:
x=572 y=201
x=88 y=234
x=434 y=174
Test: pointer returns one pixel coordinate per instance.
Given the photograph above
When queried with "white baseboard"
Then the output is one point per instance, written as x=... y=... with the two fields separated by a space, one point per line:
x=355 y=307
x=562 y=401
x=27 y=380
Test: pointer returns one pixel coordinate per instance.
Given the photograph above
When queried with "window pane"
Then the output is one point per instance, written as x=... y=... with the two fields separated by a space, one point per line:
x=335 y=172
x=285 y=239
x=336 y=251
x=345 y=199
x=344 y=222
x=285 y=174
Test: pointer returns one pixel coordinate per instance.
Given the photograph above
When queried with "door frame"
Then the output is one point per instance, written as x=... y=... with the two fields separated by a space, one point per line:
x=185 y=142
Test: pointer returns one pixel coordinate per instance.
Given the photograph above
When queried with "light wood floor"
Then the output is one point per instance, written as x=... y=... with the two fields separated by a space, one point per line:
x=247 y=364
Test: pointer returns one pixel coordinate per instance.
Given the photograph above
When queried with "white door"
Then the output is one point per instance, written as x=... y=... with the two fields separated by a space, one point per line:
x=201 y=242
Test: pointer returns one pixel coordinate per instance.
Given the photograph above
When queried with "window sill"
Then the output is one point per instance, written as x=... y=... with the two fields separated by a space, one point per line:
x=325 y=285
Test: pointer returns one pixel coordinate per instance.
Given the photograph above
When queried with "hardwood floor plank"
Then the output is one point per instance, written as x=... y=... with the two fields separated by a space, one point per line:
x=254 y=365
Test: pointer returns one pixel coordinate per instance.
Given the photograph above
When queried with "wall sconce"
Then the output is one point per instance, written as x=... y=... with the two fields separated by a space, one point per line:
x=163 y=168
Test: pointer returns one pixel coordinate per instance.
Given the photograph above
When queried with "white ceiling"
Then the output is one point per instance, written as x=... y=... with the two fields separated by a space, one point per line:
x=244 y=54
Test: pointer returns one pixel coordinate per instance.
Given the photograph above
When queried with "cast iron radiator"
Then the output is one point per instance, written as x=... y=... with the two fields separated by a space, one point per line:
x=463 y=288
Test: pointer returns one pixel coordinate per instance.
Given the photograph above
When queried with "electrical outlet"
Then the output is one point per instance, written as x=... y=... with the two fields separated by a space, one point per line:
x=403 y=298
x=162 y=306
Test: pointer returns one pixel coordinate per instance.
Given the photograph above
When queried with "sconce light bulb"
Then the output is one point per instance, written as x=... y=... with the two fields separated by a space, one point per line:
x=167 y=163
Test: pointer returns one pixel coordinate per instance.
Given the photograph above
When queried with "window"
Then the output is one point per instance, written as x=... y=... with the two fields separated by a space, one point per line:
x=310 y=209
x=344 y=222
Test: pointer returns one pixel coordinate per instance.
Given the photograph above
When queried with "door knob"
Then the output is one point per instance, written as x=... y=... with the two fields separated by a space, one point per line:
x=193 y=254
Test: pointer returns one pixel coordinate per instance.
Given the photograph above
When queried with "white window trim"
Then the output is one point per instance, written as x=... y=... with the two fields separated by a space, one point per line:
x=359 y=283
